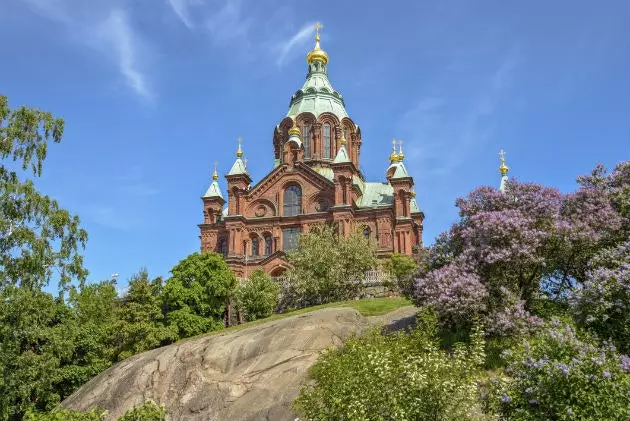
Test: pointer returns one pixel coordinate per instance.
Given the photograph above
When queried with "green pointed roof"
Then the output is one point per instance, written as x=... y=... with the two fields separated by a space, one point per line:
x=401 y=171
x=342 y=156
x=214 y=190
x=317 y=95
x=414 y=206
x=238 y=167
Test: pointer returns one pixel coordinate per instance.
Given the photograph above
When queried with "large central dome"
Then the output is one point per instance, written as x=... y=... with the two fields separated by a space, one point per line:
x=317 y=96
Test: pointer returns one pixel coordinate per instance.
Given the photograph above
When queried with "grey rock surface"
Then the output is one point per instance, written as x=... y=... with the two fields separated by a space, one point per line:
x=249 y=374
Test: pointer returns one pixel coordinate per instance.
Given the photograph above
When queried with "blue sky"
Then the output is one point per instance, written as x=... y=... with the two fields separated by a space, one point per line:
x=154 y=91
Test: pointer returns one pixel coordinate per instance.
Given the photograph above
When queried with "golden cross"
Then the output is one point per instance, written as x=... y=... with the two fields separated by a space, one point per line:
x=502 y=155
x=239 y=140
x=216 y=164
x=394 y=144
x=317 y=27
x=245 y=162
x=400 y=142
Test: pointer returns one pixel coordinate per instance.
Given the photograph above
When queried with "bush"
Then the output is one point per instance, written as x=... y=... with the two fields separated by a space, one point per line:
x=602 y=305
x=148 y=411
x=401 y=269
x=558 y=376
x=396 y=377
x=258 y=297
x=327 y=267
x=60 y=414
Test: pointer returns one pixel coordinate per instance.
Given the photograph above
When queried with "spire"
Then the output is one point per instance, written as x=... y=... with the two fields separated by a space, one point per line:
x=239 y=165
x=393 y=157
x=317 y=53
x=503 y=170
x=214 y=190
x=342 y=154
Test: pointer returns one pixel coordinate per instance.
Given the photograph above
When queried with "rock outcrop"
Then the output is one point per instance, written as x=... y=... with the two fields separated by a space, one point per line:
x=249 y=374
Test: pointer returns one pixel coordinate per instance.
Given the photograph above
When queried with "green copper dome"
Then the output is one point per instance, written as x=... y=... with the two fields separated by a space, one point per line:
x=317 y=95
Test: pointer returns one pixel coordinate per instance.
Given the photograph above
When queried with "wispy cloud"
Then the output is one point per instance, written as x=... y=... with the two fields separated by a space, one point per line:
x=114 y=37
x=289 y=46
x=182 y=10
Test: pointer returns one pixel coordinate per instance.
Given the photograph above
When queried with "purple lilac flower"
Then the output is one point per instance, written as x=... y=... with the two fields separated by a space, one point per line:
x=505 y=398
x=606 y=374
x=533 y=401
x=625 y=363
x=569 y=411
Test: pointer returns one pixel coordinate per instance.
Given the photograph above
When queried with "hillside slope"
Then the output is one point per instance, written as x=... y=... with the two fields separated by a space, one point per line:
x=249 y=374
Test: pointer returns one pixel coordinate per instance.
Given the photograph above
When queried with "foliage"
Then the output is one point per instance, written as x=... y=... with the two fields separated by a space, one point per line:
x=139 y=325
x=258 y=297
x=60 y=414
x=395 y=377
x=196 y=295
x=509 y=249
x=401 y=268
x=558 y=375
x=602 y=304
x=36 y=235
x=327 y=266
x=148 y=411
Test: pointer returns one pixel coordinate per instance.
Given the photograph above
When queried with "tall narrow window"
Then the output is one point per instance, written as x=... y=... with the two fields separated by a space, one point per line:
x=268 y=245
x=366 y=232
x=327 y=141
x=292 y=201
x=255 y=246
x=345 y=132
x=306 y=139
x=290 y=238
x=223 y=247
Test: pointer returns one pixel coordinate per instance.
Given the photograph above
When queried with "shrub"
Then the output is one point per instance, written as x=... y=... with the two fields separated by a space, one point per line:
x=258 y=297
x=602 y=305
x=402 y=376
x=148 y=411
x=60 y=414
x=401 y=268
x=556 y=375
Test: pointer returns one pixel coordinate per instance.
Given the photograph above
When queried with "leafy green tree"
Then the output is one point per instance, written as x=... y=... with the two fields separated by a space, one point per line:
x=60 y=414
x=328 y=267
x=402 y=376
x=196 y=296
x=140 y=322
x=258 y=297
x=401 y=269
x=36 y=235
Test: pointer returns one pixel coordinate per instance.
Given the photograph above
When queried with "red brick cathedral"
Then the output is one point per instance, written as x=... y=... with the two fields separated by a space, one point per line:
x=316 y=179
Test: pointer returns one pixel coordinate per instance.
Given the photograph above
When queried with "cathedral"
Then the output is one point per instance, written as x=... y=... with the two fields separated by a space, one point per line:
x=316 y=179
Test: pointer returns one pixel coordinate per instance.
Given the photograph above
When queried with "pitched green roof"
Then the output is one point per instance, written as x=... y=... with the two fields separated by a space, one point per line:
x=213 y=190
x=317 y=95
x=326 y=172
x=401 y=171
x=414 y=206
x=342 y=156
x=376 y=194
x=238 y=167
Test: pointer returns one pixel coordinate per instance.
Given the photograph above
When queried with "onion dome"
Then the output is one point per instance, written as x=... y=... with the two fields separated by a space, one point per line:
x=394 y=156
x=317 y=96
x=317 y=53
x=401 y=155
x=294 y=134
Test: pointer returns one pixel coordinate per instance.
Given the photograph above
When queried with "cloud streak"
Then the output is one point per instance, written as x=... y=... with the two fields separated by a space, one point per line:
x=114 y=36
x=288 y=47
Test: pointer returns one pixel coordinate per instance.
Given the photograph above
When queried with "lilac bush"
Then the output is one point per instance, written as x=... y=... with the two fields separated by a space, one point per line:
x=510 y=248
x=558 y=375
x=602 y=303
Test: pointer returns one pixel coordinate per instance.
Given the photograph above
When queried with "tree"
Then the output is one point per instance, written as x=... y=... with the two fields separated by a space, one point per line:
x=195 y=297
x=328 y=267
x=401 y=269
x=258 y=297
x=140 y=322
x=36 y=235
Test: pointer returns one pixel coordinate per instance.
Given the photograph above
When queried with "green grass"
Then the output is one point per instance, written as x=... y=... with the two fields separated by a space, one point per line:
x=366 y=306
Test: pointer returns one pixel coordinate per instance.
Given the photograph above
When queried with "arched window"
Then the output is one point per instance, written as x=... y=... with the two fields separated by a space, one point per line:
x=255 y=246
x=292 y=200
x=268 y=245
x=327 y=141
x=306 y=139
x=345 y=132
x=366 y=232
x=290 y=238
x=223 y=247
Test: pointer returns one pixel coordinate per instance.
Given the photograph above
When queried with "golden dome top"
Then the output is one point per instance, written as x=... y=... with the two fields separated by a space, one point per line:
x=394 y=156
x=401 y=155
x=343 y=139
x=239 y=151
x=215 y=174
x=413 y=193
x=317 y=53
x=294 y=130
x=503 y=169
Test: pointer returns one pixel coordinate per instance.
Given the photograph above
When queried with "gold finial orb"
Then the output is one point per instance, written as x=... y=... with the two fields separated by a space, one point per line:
x=317 y=53
x=503 y=169
x=343 y=139
x=239 y=151
x=413 y=194
x=294 y=130
x=215 y=174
